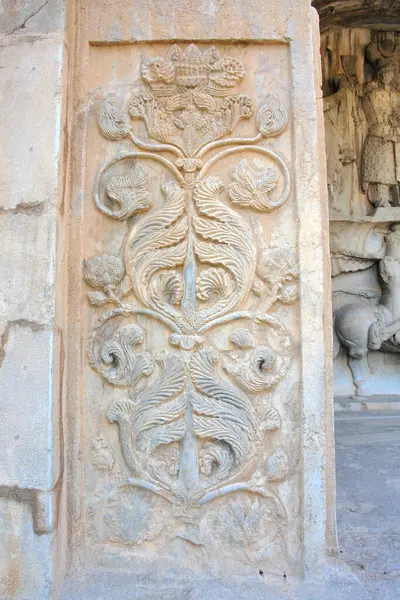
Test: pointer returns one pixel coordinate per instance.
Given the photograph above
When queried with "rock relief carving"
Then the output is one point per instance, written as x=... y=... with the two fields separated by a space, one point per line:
x=101 y=455
x=369 y=321
x=343 y=121
x=190 y=266
x=362 y=133
x=248 y=527
x=381 y=102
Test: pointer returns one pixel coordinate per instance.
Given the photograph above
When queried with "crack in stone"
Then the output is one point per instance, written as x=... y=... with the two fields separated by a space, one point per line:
x=23 y=25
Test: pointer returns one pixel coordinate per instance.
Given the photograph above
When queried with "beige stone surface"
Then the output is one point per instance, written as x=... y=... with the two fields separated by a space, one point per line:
x=33 y=16
x=26 y=569
x=193 y=419
x=26 y=436
x=28 y=265
x=34 y=67
x=148 y=21
x=30 y=96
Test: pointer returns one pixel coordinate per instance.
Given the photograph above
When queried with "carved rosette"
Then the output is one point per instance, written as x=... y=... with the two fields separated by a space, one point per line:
x=190 y=425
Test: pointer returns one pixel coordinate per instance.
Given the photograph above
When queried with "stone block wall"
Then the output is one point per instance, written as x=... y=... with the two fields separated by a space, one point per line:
x=33 y=78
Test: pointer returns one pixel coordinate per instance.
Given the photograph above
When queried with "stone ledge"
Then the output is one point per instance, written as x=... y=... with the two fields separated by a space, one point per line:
x=335 y=582
x=372 y=403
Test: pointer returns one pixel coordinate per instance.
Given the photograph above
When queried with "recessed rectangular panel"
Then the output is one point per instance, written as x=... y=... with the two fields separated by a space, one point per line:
x=190 y=426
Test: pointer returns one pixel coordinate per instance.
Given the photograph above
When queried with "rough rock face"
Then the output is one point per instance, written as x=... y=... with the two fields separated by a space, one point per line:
x=376 y=14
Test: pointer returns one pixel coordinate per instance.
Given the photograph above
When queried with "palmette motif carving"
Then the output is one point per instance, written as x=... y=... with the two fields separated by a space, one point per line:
x=190 y=265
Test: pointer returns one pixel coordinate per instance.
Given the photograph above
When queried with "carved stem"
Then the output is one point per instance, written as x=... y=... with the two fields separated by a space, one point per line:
x=146 y=485
x=229 y=142
x=257 y=317
x=233 y=487
x=244 y=314
x=155 y=147
x=189 y=272
x=189 y=468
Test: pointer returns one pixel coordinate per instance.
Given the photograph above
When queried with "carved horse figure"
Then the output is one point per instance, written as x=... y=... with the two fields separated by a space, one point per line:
x=360 y=327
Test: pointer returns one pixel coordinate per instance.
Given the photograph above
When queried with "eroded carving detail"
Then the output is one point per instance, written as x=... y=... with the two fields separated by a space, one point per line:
x=191 y=265
x=362 y=119
x=101 y=455
x=370 y=321
x=251 y=186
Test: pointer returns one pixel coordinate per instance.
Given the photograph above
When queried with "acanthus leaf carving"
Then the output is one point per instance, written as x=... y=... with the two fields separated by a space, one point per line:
x=221 y=411
x=251 y=186
x=223 y=238
x=130 y=193
x=120 y=365
x=114 y=124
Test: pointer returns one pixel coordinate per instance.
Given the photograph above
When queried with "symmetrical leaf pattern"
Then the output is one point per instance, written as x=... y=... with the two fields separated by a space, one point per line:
x=190 y=264
x=221 y=411
x=223 y=238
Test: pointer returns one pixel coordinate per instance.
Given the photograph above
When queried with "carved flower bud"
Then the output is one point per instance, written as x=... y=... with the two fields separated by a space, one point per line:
x=103 y=271
x=272 y=117
x=277 y=265
x=277 y=465
x=101 y=455
x=252 y=186
x=288 y=294
x=243 y=338
x=114 y=123
x=226 y=72
x=158 y=70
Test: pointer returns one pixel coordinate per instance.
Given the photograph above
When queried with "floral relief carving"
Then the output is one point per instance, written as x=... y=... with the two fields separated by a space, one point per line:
x=277 y=275
x=101 y=455
x=251 y=186
x=245 y=525
x=104 y=273
x=272 y=117
x=190 y=424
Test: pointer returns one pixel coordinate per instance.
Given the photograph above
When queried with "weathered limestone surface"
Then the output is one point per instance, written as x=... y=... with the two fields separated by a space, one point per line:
x=33 y=70
x=196 y=206
x=187 y=440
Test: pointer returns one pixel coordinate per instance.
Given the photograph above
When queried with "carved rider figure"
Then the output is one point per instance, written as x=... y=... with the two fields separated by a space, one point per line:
x=361 y=327
x=381 y=104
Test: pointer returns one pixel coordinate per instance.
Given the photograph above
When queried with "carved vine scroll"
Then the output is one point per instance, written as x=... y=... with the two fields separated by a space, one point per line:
x=191 y=265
